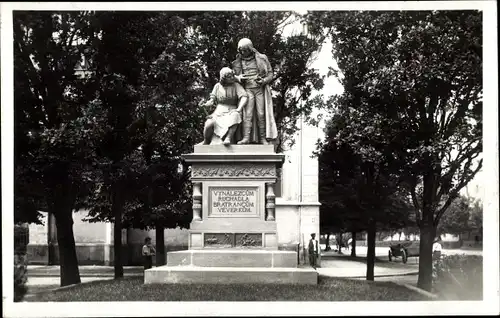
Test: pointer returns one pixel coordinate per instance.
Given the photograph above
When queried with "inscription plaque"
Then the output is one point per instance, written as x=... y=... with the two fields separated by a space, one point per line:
x=233 y=202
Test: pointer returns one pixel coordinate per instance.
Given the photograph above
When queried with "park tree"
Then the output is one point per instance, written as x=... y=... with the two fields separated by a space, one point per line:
x=28 y=199
x=477 y=216
x=167 y=122
x=416 y=79
x=456 y=219
x=150 y=94
x=357 y=190
x=118 y=68
x=339 y=211
x=172 y=93
x=55 y=123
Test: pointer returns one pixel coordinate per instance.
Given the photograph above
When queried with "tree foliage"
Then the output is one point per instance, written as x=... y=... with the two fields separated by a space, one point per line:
x=355 y=187
x=476 y=220
x=463 y=215
x=144 y=142
x=413 y=80
x=358 y=192
x=54 y=130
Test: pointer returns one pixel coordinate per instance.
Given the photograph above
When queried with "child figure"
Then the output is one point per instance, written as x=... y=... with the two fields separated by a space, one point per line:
x=148 y=251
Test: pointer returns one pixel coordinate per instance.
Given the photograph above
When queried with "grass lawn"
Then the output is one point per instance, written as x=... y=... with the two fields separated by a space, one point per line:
x=36 y=289
x=328 y=289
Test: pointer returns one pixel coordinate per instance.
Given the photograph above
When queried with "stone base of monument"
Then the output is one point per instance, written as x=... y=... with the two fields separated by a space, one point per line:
x=233 y=236
x=229 y=266
x=230 y=275
x=232 y=258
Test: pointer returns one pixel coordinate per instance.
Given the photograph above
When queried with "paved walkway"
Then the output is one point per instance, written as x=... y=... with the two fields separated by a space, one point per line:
x=85 y=271
x=353 y=269
x=343 y=265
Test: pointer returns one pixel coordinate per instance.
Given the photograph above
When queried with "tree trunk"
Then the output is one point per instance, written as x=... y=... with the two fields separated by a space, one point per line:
x=117 y=243
x=51 y=238
x=427 y=234
x=370 y=257
x=339 y=242
x=353 y=244
x=68 y=260
x=160 y=244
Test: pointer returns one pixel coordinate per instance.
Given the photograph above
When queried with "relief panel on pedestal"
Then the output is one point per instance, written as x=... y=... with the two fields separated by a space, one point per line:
x=230 y=240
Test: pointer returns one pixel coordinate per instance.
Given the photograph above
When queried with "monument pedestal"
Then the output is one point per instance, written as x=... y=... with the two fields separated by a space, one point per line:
x=233 y=236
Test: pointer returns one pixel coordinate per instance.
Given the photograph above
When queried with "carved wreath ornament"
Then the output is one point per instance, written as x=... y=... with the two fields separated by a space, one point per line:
x=232 y=171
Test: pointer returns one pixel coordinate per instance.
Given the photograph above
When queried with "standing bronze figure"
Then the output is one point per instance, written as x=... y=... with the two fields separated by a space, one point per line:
x=255 y=73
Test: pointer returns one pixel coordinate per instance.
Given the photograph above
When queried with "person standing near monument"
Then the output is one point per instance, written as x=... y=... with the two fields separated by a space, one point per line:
x=437 y=248
x=255 y=73
x=313 y=249
x=148 y=251
x=230 y=98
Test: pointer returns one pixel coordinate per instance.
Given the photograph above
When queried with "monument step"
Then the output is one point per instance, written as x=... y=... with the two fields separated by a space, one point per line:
x=229 y=275
x=233 y=258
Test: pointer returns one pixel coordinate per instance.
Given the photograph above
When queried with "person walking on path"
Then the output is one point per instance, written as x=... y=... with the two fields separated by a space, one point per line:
x=313 y=250
x=148 y=251
x=436 y=249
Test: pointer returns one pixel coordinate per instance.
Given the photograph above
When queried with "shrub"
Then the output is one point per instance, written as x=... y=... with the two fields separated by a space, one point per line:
x=20 y=263
x=458 y=277
x=20 y=277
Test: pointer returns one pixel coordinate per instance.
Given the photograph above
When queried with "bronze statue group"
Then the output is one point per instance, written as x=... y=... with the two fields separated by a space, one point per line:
x=243 y=102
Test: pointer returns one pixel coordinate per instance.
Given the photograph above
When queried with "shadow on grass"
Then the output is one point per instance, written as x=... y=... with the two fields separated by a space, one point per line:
x=328 y=289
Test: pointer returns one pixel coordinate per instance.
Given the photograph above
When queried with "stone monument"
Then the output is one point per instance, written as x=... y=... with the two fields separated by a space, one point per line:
x=233 y=236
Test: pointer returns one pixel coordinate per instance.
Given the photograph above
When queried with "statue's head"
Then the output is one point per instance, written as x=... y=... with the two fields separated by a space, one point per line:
x=226 y=76
x=245 y=47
